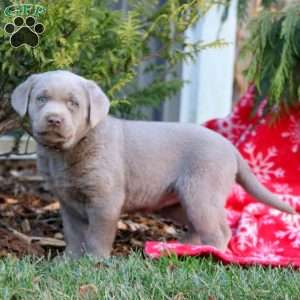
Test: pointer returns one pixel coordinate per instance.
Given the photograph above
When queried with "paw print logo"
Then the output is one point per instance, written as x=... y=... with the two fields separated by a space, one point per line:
x=24 y=32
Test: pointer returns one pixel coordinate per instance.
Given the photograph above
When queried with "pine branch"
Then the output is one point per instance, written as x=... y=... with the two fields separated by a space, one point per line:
x=274 y=50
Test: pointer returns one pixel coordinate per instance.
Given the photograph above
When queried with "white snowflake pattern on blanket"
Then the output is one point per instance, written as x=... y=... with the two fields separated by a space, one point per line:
x=261 y=163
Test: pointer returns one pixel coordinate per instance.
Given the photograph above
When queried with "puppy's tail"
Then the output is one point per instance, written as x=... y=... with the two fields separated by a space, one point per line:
x=247 y=179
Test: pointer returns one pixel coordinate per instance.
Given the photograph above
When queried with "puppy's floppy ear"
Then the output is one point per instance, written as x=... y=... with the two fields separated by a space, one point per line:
x=98 y=103
x=21 y=94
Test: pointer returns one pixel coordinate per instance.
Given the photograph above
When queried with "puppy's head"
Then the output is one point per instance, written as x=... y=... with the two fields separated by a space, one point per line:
x=61 y=106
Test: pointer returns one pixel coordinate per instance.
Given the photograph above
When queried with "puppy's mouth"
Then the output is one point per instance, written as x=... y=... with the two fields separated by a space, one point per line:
x=53 y=138
x=53 y=134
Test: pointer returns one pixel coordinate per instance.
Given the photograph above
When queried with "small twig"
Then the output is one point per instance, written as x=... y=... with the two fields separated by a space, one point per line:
x=49 y=220
x=45 y=241
x=7 y=154
x=42 y=241
x=18 y=234
x=17 y=143
x=27 y=144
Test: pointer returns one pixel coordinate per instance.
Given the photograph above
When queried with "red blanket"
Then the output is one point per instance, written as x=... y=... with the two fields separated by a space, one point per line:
x=260 y=234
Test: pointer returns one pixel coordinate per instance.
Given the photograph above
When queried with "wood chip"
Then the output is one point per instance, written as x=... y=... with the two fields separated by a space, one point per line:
x=88 y=291
x=11 y=201
x=101 y=265
x=171 y=267
x=136 y=242
x=122 y=225
x=51 y=207
x=45 y=241
x=170 y=229
x=59 y=235
x=179 y=296
x=133 y=226
x=25 y=225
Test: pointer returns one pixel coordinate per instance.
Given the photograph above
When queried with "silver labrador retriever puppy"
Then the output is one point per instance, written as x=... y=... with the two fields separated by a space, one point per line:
x=100 y=166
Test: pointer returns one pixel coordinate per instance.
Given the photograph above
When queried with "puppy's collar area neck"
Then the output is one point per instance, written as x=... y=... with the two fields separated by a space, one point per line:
x=68 y=154
x=58 y=149
x=53 y=148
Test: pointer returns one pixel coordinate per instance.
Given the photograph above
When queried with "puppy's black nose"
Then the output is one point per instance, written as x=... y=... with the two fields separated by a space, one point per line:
x=54 y=120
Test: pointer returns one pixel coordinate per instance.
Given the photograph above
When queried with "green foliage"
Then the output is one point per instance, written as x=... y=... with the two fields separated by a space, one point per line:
x=109 y=46
x=274 y=49
x=243 y=7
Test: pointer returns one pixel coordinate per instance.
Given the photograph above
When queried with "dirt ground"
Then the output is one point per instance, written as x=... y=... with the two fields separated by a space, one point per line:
x=30 y=222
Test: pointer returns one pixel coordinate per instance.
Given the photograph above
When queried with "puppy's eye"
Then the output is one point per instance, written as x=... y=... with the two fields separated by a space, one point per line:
x=42 y=99
x=73 y=103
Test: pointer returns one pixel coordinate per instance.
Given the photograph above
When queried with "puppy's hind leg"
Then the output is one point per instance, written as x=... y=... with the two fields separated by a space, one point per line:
x=204 y=206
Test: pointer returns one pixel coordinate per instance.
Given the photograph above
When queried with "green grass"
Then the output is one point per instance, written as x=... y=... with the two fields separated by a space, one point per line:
x=138 y=278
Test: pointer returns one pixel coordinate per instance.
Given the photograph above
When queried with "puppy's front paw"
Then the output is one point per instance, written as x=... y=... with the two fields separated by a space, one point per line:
x=62 y=258
x=99 y=253
x=97 y=250
x=70 y=253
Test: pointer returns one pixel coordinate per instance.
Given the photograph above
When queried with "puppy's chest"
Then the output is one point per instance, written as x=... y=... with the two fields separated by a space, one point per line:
x=69 y=183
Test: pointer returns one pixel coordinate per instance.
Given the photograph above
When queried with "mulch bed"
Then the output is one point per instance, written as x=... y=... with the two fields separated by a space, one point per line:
x=30 y=222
